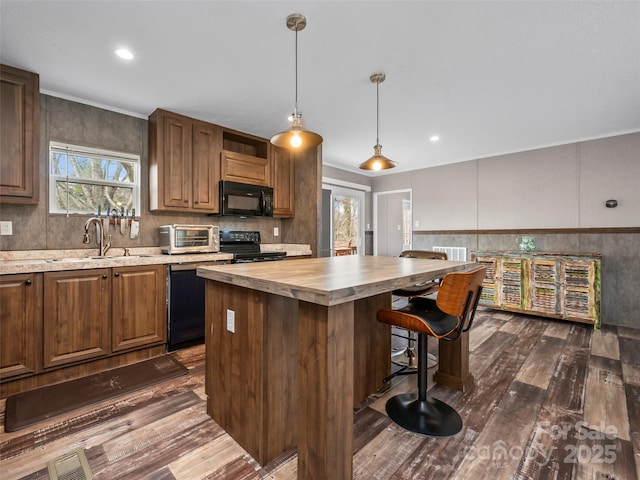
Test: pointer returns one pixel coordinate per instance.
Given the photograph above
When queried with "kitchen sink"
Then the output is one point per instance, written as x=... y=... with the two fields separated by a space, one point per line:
x=84 y=259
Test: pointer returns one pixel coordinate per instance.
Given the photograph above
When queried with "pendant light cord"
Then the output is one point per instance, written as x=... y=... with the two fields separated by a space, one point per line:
x=296 y=104
x=377 y=113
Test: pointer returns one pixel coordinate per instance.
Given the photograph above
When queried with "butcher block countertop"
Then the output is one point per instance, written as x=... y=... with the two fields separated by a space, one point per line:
x=32 y=261
x=333 y=280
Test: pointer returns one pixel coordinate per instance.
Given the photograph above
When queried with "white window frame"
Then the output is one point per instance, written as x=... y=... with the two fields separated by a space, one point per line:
x=92 y=152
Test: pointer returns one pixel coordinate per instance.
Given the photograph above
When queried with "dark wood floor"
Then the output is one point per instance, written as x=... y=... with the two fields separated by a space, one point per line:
x=552 y=400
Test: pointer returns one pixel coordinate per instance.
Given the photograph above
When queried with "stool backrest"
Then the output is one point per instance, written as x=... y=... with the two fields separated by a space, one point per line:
x=425 y=254
x=459 y=295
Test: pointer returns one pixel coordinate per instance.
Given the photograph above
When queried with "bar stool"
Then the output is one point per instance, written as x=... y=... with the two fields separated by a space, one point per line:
x=446 y=317
x=425 y=288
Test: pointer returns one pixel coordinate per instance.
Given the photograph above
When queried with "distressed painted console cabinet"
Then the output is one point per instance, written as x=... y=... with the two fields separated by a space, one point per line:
x=549 y=284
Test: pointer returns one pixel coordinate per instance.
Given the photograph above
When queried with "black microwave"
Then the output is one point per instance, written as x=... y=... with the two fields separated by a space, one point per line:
x=245 y=200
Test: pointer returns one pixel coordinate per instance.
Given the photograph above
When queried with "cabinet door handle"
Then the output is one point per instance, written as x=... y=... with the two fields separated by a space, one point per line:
x=116 y=274
x=105 y=276
x=27 y=282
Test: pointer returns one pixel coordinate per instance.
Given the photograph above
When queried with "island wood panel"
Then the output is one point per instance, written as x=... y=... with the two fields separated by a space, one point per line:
x=326 y=371
x=453 y=364
x=372 y=346
x=256 y=367
x=263 y=352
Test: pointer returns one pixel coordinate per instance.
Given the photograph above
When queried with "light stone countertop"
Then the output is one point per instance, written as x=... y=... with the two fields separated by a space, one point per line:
x=32 y=261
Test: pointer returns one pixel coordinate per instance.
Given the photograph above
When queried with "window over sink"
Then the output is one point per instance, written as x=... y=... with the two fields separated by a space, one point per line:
x=84 y=180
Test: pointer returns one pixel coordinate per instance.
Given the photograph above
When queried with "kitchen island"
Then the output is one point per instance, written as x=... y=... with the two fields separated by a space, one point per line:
x=292 y=346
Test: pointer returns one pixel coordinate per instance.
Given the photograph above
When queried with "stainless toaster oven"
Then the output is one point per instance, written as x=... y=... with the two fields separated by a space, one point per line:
x=189 y=239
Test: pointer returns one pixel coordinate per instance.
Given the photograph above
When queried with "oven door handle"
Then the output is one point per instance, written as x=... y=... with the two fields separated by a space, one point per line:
x=179 y=267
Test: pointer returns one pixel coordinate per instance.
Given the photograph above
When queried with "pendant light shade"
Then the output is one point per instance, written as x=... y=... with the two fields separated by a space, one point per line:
x=296 y=136
x=378 y=161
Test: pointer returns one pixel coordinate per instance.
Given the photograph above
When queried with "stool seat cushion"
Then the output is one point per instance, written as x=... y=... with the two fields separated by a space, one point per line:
x=416 y=290
x=421 y=315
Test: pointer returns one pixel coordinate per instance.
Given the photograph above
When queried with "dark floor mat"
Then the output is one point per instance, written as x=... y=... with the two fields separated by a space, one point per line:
x=33 y=406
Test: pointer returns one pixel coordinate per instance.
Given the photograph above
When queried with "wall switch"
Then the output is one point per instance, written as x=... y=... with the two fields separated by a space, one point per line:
x=399 y=227
x=368 y=226
x=231 y=321
x=276 y=231
x=6 y=228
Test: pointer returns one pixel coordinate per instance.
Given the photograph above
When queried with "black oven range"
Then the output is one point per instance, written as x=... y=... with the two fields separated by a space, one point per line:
x=245 y=247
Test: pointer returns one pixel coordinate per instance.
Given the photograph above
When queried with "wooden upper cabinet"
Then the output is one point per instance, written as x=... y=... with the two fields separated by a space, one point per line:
x=184 y=165
x=20 y=324
x=283 y=181
x=245 y=159
x=206 y=166
x=139 y=307
x=20 y=135
x=238 y=167
x=77 y=316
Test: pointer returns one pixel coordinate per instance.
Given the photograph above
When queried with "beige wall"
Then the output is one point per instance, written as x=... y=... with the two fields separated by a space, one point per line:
x=556 y=187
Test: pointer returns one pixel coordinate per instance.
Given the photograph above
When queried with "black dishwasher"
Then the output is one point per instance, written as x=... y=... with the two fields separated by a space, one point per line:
x=186 y=307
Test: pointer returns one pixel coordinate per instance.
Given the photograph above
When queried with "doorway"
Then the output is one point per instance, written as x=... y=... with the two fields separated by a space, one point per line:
x=392 y=219
x=343 y=211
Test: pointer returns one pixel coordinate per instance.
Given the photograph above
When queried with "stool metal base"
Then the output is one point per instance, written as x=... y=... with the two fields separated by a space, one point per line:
x=428 y=417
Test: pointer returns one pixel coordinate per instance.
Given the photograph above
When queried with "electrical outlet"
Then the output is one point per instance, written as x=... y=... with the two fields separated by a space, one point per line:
x=6 y=228
x=276 y=231
x=231 y=321
x=416 y=224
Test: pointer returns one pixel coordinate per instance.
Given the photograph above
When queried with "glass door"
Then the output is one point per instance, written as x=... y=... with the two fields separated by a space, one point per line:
x=347 y=220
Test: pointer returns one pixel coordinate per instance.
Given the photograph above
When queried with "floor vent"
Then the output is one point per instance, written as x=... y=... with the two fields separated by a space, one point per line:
x=70 y=466
x=453 y=253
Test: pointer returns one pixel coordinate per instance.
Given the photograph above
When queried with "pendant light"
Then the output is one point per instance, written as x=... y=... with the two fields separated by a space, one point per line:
x=378 y=161
x=296 y=136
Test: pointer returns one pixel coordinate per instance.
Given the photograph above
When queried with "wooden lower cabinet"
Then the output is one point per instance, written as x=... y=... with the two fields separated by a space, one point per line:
x=77 y=316
x=20 y=324
x=65 y=324
x=556 y=285
x=139 y=307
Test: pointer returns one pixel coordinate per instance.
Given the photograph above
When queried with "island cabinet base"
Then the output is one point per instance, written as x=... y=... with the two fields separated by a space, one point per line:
x=453 y=366
x=252 y=374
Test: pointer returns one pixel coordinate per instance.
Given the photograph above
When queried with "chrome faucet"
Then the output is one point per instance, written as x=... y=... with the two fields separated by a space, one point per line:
x=104 y=245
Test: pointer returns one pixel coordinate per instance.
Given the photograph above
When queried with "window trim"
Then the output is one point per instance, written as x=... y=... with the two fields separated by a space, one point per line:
x=93 y=152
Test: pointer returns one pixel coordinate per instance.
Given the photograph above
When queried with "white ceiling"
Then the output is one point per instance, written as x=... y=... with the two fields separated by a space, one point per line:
x=488 y=77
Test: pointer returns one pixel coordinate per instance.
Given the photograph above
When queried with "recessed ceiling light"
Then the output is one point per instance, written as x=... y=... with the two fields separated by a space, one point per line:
x=124 y=53
x=434 y=138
